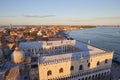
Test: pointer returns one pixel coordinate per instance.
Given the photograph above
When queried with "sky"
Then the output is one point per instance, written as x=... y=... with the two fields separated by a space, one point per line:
x=60 y=12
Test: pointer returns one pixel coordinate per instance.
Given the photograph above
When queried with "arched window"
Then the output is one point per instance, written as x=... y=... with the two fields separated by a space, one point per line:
x=49 y=73
x=28 y=50
x=88 y=64
x=86 y=78
x=82 y=78
x=108 y=72
x=102 y=74
x=105 y=73
x=93 y=77
x=99 y=75
x=96 y=76
x=106 y=60
x=81 y=67
x=89 y=77
x=61 y=70
x=72 y=68
x=98 y=63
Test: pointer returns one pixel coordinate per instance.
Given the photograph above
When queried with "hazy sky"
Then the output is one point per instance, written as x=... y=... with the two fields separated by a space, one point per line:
x=93 y=12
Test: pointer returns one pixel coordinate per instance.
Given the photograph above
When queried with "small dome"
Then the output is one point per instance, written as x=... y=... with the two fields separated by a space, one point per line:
x=17 y=56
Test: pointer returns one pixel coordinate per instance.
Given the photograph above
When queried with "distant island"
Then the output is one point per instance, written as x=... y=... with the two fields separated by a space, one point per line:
x=59 y=26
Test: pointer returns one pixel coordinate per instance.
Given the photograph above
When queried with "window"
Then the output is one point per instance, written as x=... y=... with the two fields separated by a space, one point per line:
x=34 y=66
x=105 y=73
x=28 y=50
x=39 y=49
x=86 y=78
x=98 y=63
x=87 y=61
x=49 y=73
x=93 y=77
x=102 y=74
x=55 y=48
x=80 y=67
x=82 y=78
x=96 y=76
x=34 y=59
x=72 y=68
x=32 y=50
x=60 y=70
x=89 y=77
x=106 y=60
x=108 y=72
x=25 y=77
x=99 y=75
x=88 y=64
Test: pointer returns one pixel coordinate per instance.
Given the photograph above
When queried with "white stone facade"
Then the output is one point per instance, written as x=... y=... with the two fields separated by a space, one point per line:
x=69 y=60
x=89 y=67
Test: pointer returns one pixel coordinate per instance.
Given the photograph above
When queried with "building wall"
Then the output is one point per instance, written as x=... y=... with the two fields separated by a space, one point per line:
x=40 y=47
x=99 y=75
x=12 y=74
x=93 y=60
x=33 y=74
x=1 y=57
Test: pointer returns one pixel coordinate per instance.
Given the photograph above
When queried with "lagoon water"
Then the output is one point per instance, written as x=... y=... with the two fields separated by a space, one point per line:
x=101 y=37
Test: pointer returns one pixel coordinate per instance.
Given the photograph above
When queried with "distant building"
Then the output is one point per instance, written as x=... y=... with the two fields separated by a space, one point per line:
x=12 y=74
x=6 y=50
x=1 y=56
x=32 y=30
x=66 y=60
x=39 y=33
